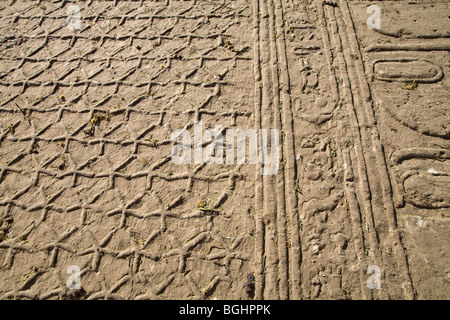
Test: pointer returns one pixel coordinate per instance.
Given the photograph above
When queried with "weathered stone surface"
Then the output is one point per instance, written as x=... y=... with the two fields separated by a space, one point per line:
x=87 y=181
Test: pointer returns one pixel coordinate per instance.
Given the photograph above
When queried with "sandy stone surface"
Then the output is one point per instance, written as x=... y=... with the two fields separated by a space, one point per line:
x=90 y=194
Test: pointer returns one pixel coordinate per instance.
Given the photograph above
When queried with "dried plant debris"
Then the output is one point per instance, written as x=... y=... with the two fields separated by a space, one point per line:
x=96 y=119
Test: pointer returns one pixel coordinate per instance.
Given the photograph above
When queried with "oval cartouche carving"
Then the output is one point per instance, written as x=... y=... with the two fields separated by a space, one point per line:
x=407 y=70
